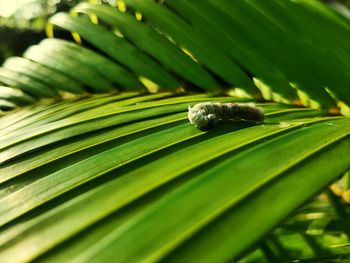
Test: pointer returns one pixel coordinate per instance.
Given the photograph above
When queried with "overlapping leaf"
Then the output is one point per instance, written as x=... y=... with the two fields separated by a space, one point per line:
x=181 y=44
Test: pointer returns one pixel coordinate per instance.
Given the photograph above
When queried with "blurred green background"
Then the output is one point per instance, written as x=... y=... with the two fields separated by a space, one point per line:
x=22 y=22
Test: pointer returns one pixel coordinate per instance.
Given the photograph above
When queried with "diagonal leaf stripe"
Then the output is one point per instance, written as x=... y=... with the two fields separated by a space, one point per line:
x=239 y=49
x=198 y=192
x=274 y=49
x=69 y=66
x=15 y=95
x=183 y=34
x=30 y=161
x=96 y=62
x=29 y=85
x=274 y=193
x=125 y=153
x=152 y=42
x=118 y=49
x=109 y=115
x=69 y=148
x=114 y=136
x=50 y=113
x=37 y=71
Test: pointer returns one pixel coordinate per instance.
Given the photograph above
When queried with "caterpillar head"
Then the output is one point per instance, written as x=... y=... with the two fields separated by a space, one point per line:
x=200 y=118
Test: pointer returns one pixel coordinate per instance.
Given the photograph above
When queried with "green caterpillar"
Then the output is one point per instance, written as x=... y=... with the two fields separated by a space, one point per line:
x=208 y=114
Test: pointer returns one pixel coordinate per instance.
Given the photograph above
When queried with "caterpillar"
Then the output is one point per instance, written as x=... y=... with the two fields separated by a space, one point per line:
x=207 y=114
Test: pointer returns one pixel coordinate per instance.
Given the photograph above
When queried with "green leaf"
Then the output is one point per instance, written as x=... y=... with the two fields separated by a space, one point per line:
x=27 y=84
x=37 y=71
x=117 y=48
x=98 y=63
x=148 y=40
x=15 y=95
x=150 y=167
x=69 y=66
x=184 y=35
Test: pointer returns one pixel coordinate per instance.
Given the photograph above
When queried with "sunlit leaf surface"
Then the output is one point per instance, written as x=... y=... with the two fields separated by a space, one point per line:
x=109 y=175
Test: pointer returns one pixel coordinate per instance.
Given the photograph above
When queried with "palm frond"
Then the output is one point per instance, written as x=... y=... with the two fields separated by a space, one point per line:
x=182 y=44
x=124 y=173
x=70 y=167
